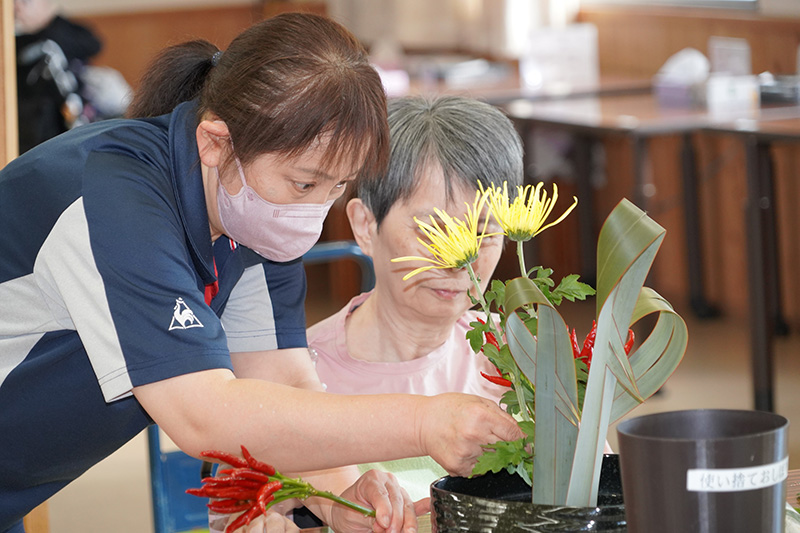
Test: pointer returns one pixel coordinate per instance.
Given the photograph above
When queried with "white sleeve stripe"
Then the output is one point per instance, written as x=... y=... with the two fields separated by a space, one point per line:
x=66 y=256
x=248 y=318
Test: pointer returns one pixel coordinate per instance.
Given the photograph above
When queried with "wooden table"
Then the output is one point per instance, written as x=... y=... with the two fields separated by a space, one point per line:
x=793 y=488
x=501 y=91
x=639 y=117
x=763 y=274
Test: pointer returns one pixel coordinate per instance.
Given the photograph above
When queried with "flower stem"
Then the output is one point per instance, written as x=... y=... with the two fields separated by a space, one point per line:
x=521 y=255
x=342 y=501
x=518 y=387
x=482 y=301
x=523 y=407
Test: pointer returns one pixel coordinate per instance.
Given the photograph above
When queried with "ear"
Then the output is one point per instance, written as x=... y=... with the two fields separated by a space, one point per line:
x=212 y=141
x=363 y=224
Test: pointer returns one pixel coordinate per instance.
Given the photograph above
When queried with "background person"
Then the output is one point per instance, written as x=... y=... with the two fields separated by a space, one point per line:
x=51 y=54
x=410 y=336
x=150 y=234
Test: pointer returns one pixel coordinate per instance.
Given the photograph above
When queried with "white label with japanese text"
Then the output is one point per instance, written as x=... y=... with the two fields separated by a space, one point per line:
x=736 y=479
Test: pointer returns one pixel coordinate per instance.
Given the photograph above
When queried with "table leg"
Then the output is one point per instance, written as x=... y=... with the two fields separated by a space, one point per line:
x=586 y=232
x=772 y=269
x=639 y=145
x=760 y=332
x=694 y=248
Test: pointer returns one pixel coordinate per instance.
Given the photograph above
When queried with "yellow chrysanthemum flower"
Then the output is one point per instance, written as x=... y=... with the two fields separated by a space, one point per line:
x=457 y=244
x=525 y=217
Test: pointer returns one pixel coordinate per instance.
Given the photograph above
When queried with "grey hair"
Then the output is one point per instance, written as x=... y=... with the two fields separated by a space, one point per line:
x=472 y=142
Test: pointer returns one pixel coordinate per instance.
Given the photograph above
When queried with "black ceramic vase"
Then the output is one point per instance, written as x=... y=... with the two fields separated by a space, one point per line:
x=502 y=503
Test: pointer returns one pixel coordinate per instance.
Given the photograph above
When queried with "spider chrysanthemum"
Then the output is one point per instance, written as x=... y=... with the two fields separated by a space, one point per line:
x=454 y=243
x=524 y=217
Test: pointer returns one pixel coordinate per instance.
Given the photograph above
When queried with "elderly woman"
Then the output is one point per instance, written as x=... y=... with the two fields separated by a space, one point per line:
x=409 y=336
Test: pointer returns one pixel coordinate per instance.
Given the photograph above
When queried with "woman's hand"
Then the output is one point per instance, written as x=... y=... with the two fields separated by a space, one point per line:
x=454 y=427
x=394 y=510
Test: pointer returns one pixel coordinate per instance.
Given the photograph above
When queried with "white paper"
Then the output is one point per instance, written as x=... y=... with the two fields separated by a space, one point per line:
x=736 y=479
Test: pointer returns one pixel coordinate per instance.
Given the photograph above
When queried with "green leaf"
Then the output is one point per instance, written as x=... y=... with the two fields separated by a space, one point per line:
x=654 y=361
x=496 y=292
x=572 y=289
x=549 y=364
x=475 y=337
x=629 y=241
x=525 y=471
x=501 y=455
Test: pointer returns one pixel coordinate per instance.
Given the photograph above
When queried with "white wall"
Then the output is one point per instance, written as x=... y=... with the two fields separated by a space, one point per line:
x=478 y=25
x=769 y=8
x=494 y=27
x=79 y=7
x=790 y=8
x=766 y=7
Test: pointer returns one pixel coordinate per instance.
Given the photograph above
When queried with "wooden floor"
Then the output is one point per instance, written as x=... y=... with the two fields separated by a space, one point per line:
x=114 y=495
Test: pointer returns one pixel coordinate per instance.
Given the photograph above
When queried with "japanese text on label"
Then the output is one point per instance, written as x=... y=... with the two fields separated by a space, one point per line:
x=736 y=479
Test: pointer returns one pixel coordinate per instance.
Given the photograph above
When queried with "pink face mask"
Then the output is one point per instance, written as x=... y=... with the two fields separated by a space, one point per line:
x=279 y=232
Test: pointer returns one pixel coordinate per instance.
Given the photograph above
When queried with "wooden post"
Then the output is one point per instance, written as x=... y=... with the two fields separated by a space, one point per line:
x=9 y=141
x=37 y=520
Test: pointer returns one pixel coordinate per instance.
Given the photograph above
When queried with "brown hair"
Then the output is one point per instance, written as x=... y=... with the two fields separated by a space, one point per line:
x=280 y=86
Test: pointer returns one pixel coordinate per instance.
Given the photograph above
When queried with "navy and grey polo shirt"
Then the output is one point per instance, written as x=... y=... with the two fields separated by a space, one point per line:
x=105 y=253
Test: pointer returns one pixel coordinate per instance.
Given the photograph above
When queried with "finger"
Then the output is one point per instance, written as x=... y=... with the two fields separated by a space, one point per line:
x=422 y=506
x=403 y=516
x=380 y=499
x=276 y=522
x=409 y=516
x=507 y=429
x=258 y=525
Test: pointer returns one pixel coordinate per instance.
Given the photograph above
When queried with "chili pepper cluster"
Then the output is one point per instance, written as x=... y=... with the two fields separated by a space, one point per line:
x=587 y=350
x=251 y=487
x=583 y=353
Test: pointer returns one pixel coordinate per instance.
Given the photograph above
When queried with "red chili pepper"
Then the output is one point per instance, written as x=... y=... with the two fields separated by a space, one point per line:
x=262 y=504
x=588 y=344
x=490 y=337
x=228 y=458
x=252 y=475
x=629 y=343
x=267 y=494
x=231 y=508
x=239 y=480
x=238 y=493
x=244 y=519
x=257 y=465
x=573 y=337
x=251 y=514
x=236 y=524
x=499 y=380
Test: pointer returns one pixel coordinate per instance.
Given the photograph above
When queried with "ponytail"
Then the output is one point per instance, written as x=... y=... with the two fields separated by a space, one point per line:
x=176 y=75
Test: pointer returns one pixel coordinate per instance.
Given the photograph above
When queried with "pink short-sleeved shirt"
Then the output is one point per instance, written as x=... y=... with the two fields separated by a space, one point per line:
x=452 y=367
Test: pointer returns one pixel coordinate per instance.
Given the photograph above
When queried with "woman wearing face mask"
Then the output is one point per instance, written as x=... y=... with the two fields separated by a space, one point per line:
x=149 y=273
